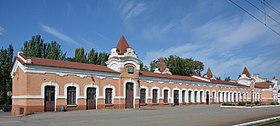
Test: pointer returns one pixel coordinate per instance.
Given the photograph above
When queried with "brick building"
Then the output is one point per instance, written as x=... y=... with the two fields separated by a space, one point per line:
x=45 y=85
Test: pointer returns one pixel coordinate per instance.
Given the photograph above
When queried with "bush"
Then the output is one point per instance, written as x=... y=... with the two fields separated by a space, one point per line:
x=241 y=104
x=274 y=103
x=257 y=103
x=228 y=104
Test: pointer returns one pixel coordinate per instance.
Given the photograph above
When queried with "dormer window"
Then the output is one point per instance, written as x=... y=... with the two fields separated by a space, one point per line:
x=130 y=69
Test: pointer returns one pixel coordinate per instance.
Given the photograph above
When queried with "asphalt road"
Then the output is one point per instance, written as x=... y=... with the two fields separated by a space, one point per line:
x=198 y=115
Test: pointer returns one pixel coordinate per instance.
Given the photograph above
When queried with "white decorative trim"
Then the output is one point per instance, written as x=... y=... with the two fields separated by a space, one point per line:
x=92 y=85
x=158 y=92
x=134 y=89
x=77 y=90
x=113 y=92
x=162 y=94
x=147 y=92
x=148 y=81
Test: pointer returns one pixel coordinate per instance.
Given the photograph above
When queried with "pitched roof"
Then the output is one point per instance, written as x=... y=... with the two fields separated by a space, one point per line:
x=122 y=46
x=161 y=65
x=209 y=73
x=263 y=84
x=168 y=76
x=246 y=72
x=64 y=64
x=226 y=83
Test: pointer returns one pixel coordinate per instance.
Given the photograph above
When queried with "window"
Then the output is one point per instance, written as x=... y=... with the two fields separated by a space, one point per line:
x=219 y=96
x=155 y=95
x=195 y=96
x=183 y=96
x=165 y=97
x=213 y=96
x=71 y=95
x=190 y=96
x=108 y=98
x=130 y=69
x=201 y=96
x=143 y=96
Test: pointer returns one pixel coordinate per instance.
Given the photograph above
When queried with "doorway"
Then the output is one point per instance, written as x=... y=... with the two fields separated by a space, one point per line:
x=129 y=95
x=176 y=97
x=49 y=98
x=91 y=98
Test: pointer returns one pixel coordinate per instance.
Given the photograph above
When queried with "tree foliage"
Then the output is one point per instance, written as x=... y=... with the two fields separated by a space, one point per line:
x=93 y=57
x=38 y=48
x=227 y=78
x=180 y=66
x=6 y=64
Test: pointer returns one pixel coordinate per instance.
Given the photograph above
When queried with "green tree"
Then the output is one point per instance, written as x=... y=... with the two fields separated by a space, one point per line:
x=143 y=67
x=80 y=55
x=218 y=78
x=36 y=47
x=180 y=66
x=227 y=78
x=6 y=64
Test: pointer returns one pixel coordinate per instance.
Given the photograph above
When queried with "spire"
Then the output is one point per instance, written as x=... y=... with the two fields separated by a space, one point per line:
x=161 y=65
x=122 y=46
x=209 y=73
x=246 y=72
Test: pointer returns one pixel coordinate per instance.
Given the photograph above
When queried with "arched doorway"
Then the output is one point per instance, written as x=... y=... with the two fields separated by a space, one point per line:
x=91 y=98
x=49 y=98
x=129 y=95
x=176 y=97
x=207 y=97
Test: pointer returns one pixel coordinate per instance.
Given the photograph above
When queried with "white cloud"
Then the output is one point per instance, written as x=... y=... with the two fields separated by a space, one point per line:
x=131 y=9
x=2 y=30
x=220 y=43
x=58 y=34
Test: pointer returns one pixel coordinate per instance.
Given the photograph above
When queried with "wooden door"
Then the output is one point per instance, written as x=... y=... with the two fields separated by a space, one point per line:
x=91 y=98
x=49 y=98
x=176 y=97
x=207 y=97
x=129 y=96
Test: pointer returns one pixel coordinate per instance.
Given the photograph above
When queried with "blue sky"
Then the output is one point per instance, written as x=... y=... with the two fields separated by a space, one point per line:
x=215 y=32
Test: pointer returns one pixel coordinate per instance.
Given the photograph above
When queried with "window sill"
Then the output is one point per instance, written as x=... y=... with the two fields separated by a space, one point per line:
x=143 y=104
x=109 y=104
x=155 y=103
x=72 y=105
x=166 y=103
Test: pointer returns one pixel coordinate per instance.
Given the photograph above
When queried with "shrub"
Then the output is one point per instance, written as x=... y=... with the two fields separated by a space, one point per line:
x=257 y=103
x=241 y=103
x=228 y=104
x=274 y=103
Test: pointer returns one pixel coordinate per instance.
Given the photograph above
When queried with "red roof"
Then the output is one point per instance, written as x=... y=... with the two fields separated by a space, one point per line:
x=226 y=83
x=263 y=84
x=209 y=73
x=122 y=45
x=64 y=64
x=168 y=76
x=161 y=65
x=246 y=72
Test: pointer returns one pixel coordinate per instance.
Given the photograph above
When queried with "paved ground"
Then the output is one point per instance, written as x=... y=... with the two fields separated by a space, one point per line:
x=198 y=115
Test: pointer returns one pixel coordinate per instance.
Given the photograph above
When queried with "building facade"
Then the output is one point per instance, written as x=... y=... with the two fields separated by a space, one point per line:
x=41 y=85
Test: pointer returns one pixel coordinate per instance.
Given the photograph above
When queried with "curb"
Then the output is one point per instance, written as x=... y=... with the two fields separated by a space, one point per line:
x=222 y=106
x=258 y=121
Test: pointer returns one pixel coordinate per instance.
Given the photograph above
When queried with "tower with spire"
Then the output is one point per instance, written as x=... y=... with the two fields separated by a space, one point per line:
x=245 y=77
x=121 y=55
x=209 y=74
x=162 y=68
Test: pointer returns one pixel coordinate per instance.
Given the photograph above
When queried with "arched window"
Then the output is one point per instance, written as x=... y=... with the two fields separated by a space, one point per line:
x=71 y=95
x=108 y=96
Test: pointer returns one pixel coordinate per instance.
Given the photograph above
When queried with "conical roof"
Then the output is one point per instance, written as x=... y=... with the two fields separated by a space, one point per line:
x=246 y=72
x=161 y=65
x=209 y=73
x=122 y=46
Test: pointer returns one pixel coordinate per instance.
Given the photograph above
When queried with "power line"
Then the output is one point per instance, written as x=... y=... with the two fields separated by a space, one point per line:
x=255 y=18
x=270 y=7
x=262 y=11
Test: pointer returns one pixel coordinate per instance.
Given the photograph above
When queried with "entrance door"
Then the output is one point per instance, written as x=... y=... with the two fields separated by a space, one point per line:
x=49 y=98
x=176 y=97
x=129 y=95
x=91 y=98
x=207 y=97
